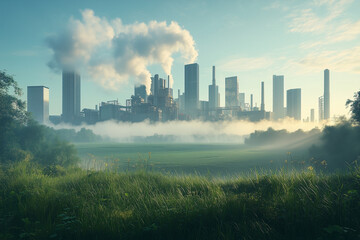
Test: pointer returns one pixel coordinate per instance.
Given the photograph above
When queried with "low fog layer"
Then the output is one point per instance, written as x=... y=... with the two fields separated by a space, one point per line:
x=187 y=131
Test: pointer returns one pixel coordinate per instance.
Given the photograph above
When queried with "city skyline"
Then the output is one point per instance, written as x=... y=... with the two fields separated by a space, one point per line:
x=293 y=48
x=160 y=104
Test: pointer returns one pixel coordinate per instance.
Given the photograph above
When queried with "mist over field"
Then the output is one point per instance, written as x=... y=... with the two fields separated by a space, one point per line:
x=188 y=131
x=220 y=147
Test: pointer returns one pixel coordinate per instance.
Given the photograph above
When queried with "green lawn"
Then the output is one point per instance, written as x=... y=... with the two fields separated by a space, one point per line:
x=218 y=159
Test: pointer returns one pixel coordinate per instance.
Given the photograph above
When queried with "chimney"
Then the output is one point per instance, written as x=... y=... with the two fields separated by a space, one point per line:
x=169 y=81
x=213 y=76
x=262 y=97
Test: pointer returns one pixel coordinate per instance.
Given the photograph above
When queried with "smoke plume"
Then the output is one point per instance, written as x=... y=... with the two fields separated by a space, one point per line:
x=113 y=52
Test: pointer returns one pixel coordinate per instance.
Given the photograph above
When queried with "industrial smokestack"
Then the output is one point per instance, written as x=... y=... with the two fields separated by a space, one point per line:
x=251 y=102
x=262 y=97
x=326 y=94
x=213 y=77
x=168 y=81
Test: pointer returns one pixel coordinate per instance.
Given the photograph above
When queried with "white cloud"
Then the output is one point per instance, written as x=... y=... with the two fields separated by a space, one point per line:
x=341 y=61
x=310 y=20
x=112 y=51
x=307 y=21
x=346 y=31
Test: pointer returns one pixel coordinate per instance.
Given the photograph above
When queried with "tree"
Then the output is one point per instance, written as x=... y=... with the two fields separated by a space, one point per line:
x=12 y=109
x=12 y=114
x=23 y=138
x=339 y=145
x=354 y=107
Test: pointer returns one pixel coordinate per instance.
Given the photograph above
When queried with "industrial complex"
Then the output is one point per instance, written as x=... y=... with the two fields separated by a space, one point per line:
x=159 y=104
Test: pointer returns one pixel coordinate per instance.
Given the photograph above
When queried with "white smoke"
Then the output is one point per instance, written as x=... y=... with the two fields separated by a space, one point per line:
x=191 y=131
x=113 y=52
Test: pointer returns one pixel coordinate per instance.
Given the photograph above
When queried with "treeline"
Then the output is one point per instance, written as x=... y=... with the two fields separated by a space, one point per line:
x=83 y=135
x=282 y=137
x=337 y=147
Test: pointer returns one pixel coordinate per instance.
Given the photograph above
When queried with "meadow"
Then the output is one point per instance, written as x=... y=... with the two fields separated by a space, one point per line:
x=190 y=158
x=81 y=204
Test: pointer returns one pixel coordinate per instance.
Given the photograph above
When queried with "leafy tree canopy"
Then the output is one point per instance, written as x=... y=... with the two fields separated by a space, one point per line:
x=354 y=107
x=22 y=138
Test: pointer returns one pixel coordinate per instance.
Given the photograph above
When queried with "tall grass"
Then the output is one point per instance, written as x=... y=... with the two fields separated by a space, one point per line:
x=80 y=204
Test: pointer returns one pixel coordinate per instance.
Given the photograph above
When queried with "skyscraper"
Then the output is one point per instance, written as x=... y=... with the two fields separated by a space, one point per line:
x=70 y=96
x=321 y=108
x=213 y=92
x=192 y=89
x=293 y=103
x=231 y=92
x=242 y=101
x=262 y=107
x=326 y=94
x=38 y=103
x=278 y=97
x=155 y=86
x=312 y=115
x=141 y=91
x=251 y=103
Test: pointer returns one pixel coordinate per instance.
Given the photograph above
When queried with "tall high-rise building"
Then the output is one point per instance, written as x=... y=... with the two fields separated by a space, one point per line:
x=38 y=103
x=155 y=86
x=312 y=115
x=231 y=92
x=192 y=89
x=251 y=102
x=278 y=97
x=242 y=100
x=262 y=107
x=326 y=94
x=213 y=92
x=293 y=103
x=141 y=91
x=70 y=96
x=321 y=108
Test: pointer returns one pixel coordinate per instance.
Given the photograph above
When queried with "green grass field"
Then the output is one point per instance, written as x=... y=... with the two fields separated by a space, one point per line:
x=217 y=159
x=135 y=195
x=81 y=204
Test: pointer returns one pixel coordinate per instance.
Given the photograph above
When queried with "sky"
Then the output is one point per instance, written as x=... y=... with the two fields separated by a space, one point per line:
x=250 y=39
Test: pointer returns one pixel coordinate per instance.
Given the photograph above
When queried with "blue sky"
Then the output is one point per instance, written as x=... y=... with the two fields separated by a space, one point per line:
x=250 y=39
